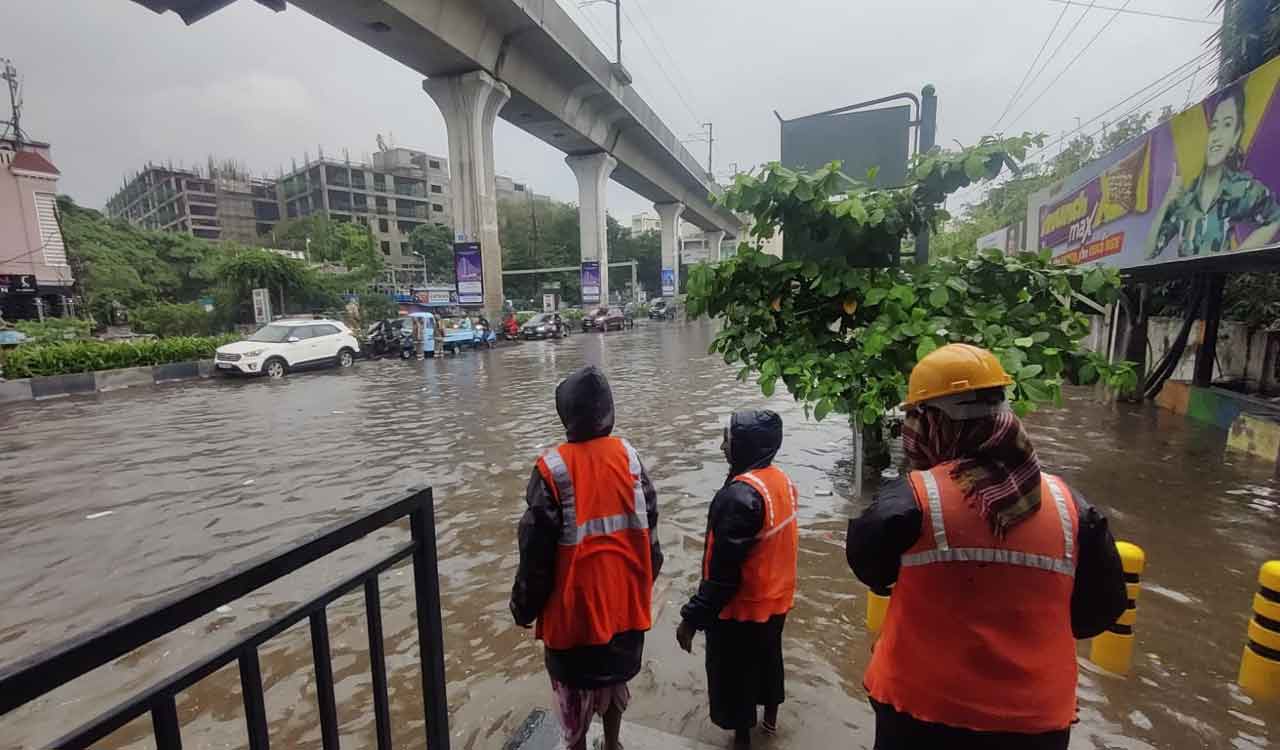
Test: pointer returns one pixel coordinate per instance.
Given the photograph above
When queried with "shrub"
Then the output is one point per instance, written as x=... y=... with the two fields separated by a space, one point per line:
x=53 y=330
x=572 y=314
x=167 y=319
x=35 y=360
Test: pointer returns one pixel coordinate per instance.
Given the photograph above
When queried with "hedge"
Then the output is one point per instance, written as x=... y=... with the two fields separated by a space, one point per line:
x=87 y=356
x=167 y=319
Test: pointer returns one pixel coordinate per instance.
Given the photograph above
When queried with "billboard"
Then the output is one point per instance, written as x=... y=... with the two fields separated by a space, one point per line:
x=468 y=269
x=668 y=282
x=590 y=282
x=862 y=139
x=1201 y=185
x=261 y=306
x=1008 y=240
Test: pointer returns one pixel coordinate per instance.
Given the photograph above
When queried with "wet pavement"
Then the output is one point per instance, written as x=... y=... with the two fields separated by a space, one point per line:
x=110 y=501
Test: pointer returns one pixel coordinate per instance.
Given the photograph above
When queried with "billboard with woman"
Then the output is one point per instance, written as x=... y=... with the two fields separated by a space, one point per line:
x=1200 y=184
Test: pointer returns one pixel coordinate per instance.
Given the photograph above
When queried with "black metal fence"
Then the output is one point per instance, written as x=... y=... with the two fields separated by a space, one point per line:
x=37 y=675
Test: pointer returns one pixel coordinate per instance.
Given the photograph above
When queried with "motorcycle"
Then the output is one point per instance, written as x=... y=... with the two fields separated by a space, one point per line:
x=510 y=330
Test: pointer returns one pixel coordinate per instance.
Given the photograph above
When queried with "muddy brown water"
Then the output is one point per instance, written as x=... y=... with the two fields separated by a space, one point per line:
x=184 y=481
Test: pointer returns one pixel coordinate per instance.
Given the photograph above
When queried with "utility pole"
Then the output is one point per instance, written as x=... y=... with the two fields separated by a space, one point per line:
x=710 y=142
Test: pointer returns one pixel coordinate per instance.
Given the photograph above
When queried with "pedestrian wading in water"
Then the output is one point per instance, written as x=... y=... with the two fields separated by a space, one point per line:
x=589 y=555
x=748 y=579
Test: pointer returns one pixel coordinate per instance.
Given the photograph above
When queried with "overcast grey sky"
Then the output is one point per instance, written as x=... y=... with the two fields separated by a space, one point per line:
x=113 y=85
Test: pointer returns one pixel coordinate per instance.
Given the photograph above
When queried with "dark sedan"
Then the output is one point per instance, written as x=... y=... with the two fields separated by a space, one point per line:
x=604 y=319
x=543 y=326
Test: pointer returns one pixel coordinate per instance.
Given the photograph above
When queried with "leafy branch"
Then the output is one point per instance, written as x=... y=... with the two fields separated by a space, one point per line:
x=842 y=337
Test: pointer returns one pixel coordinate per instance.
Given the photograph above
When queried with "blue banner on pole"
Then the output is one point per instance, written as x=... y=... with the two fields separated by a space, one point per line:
x=668 y=282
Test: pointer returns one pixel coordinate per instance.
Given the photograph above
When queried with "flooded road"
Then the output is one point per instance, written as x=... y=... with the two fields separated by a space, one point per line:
x=109 y=502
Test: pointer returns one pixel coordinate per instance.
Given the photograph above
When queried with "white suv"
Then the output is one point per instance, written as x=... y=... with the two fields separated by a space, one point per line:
x=286 y=345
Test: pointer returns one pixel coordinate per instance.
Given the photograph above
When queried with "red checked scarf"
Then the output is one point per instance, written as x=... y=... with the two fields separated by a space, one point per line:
x=996 y=464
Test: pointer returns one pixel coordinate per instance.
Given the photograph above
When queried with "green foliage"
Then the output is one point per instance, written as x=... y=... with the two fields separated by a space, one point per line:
x=572 y=315
x=169 y=319
x=63 y=358
x=118 y=264
x=52 y=330
x=524 y=317
x=434 y=244
x=539 y=234
x=843 y=339
x=828 y=206
x=323 y=240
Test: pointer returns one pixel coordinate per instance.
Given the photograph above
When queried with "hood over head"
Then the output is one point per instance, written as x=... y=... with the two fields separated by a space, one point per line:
x=585 y=404
x=754 y=437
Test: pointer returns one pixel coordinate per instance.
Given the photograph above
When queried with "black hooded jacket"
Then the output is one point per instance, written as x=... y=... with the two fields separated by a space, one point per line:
x=585 y=405
x=736 y=515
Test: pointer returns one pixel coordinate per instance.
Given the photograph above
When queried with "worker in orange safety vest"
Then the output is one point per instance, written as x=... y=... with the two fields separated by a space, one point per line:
x=589 y=555
x=997 y=568
x=748 y=579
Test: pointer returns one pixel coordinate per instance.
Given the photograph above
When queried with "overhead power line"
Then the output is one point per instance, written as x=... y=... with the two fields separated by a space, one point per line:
x=644 y=41
x=1045 y=45
x=644 y=14
x=1179 y=76
x=1147 y=13
x=1072 y=62
x=1052 y=56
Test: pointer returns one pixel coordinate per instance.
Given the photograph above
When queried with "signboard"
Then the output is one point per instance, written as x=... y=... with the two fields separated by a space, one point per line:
x=469 y=271
x=1008 y=240
x=261 y=306
x=432 y=295
x=1200 y=185
x=862 y=139
x=668 y=282
x=548 y=303
x=18 y=284
x=590 y=282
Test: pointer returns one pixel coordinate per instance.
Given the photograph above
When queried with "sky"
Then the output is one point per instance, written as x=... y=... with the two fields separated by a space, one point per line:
x=112 y=85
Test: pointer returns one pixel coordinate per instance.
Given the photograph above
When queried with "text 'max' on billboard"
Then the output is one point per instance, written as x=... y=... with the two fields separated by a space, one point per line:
x=1201 y=185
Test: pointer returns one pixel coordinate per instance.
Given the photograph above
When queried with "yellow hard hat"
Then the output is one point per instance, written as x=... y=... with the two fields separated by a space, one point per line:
x=952 y=369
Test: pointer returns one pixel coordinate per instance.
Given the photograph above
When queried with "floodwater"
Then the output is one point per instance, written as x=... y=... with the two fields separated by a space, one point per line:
x=111 y=501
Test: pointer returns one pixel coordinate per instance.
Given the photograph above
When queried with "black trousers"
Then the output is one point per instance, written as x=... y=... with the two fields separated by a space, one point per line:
x=898 y=731
x=744 y=670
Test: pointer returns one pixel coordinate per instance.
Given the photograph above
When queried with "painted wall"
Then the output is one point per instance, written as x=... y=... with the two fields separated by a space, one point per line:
x=20 y=240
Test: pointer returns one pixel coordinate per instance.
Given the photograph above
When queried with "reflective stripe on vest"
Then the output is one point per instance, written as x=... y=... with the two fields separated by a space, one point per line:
x=943 y=552
x=770 y=528
x=768 y=582
x=570 y=532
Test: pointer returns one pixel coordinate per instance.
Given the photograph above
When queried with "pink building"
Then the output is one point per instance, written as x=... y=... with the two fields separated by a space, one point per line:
x=35 y=279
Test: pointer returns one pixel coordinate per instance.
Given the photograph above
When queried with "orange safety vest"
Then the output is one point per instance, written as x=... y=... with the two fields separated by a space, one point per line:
x=604 y=572
x=978 y=632
x=768 y=585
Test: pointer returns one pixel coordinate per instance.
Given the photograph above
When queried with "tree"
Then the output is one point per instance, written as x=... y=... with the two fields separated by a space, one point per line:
x=119 y=265
x=434 y=244
x=645 y=248
x=540 y=234
x=843 y=338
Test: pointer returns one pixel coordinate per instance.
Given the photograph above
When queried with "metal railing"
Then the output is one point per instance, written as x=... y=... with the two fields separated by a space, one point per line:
x=42 y=673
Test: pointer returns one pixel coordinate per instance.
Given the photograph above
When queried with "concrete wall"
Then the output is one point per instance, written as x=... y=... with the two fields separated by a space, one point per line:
x=1240 y=356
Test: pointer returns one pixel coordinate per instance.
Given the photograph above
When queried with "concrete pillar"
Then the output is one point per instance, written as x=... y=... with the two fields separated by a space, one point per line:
x=713 y=245
x=470 y=103
x=592 y=171
x=669 y=213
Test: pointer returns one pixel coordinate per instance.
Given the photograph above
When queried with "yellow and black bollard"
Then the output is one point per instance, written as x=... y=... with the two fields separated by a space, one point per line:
x=1260 y=665
x=877 y=608
x=1113 y=650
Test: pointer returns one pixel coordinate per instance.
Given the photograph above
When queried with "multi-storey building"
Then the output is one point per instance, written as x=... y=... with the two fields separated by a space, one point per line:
x=399 y=191
x=222 y=204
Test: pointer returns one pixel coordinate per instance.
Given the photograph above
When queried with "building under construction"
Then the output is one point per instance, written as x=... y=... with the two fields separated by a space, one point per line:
x=222 y=202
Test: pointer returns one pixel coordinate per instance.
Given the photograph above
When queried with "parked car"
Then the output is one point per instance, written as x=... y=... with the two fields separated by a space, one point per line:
x=543 y=326
x=662 y=310
x=285 y=345
x=604 y=319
